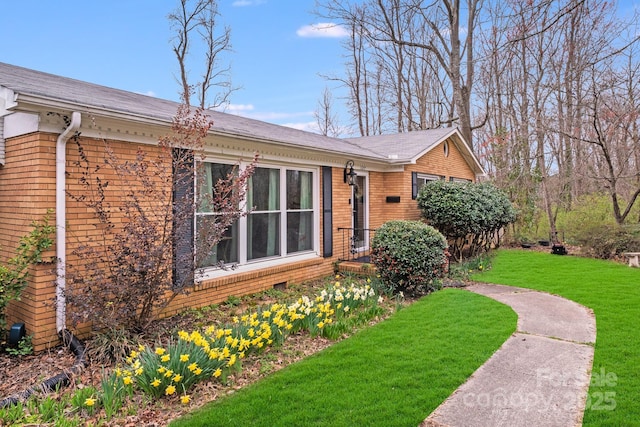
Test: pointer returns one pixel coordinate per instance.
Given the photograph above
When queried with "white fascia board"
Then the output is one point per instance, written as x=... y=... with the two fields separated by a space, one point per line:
x=7 y=101
x=46 y=104
x=20 y=123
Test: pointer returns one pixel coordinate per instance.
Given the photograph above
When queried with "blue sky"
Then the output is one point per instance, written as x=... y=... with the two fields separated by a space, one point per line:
x=276 y=61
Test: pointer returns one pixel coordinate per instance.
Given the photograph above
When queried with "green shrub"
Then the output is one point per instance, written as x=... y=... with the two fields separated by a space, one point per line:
x=589 y=211
x=410 y=256
x=608 y=241
x=470 y=215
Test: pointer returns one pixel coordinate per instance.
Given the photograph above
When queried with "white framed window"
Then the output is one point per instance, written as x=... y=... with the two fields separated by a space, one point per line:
x=454 y=179
x=424 y=178
x=282 y=222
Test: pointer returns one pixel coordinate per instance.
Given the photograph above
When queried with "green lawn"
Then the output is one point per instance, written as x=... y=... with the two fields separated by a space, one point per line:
x=613 y=292
x=394 y=373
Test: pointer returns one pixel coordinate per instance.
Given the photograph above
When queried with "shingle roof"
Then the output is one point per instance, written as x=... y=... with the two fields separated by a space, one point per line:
x=57 y=89
x=408 y=145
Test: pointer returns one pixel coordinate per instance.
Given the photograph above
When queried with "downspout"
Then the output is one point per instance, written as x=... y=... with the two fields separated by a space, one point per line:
x=61 y=219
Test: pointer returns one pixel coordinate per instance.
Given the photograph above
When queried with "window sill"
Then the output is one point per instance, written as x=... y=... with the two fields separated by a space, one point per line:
x=214 y=278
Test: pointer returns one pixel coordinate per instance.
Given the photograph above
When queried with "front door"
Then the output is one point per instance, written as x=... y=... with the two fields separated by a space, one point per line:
x=360 y=232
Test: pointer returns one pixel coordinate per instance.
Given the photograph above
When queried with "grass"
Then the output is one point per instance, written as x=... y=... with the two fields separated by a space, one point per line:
x=612 y=291
x=394 y=373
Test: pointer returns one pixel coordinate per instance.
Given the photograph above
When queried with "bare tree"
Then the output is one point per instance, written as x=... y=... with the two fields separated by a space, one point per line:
x=325 y=115
x=201 y=18
x=613 y=117
x=411 y=47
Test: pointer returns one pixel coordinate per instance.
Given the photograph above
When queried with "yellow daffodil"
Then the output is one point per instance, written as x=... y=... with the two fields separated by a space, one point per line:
x=134 y=354
x=197 y=371
x=165 y=358
x=156 y=382
x=232 y=360
x=139 y=371
x=160 y=351
x=90 y=401
x=184 y=357
x=185 y=399
x=177 y=378
x=192 y=367
x=127 y=380
x=217 y=373
x=170 y=390
x=162 y=370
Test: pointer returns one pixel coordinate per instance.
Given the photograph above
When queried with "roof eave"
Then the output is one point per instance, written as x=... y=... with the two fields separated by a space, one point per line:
x=46 y=103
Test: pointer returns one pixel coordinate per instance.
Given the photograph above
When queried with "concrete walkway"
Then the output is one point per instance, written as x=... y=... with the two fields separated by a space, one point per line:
x=540 y=375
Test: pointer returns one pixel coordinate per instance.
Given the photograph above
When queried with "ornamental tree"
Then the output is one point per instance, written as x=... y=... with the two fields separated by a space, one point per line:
x=141 y=253
x=470 y=215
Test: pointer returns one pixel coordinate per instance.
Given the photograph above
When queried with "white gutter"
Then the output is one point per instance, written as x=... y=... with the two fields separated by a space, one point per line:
x=61 y=219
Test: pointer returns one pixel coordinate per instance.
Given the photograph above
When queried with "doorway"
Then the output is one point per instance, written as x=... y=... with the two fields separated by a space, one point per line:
x=360 y=239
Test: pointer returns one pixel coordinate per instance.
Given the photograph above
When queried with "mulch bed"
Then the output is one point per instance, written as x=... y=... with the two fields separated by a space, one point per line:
x=21 y=372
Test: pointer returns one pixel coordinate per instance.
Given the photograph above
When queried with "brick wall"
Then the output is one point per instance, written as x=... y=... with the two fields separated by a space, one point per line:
x=27 y=191
x=399 y=184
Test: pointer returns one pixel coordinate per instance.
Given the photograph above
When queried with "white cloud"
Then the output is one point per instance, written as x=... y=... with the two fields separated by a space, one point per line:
x=148 y=93
x=323 y=29
x=306 y=126
x=238 y=108
x=243 y=3
x=270 y=116
x=248 y=111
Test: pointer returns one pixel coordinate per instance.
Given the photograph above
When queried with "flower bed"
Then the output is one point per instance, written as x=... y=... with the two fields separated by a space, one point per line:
x=171 y=371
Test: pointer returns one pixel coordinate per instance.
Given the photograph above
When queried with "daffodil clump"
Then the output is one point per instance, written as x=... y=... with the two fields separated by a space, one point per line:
x=319 y=316
x=218 y=351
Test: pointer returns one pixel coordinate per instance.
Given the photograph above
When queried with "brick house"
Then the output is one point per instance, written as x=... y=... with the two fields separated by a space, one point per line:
x=330 y=224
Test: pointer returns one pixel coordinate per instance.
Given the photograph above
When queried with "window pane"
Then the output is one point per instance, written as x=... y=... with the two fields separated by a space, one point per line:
x=299 y=190
x=263 y=233
x=264 y=190
x=208 y=176
x=225 y=251
x=299 y=231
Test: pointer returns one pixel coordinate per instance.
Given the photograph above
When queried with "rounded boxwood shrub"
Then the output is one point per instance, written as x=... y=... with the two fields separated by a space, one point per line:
x=410 y=256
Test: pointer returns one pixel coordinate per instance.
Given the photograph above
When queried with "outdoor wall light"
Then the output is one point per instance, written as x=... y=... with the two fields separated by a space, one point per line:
x=349 y=173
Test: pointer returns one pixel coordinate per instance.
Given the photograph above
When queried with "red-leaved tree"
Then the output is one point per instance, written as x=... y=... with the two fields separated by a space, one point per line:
x=142 y=253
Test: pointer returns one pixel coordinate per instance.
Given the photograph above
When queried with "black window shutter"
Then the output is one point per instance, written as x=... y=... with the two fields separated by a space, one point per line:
x=414 y=185
x=183 y=217
x=327 y=213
